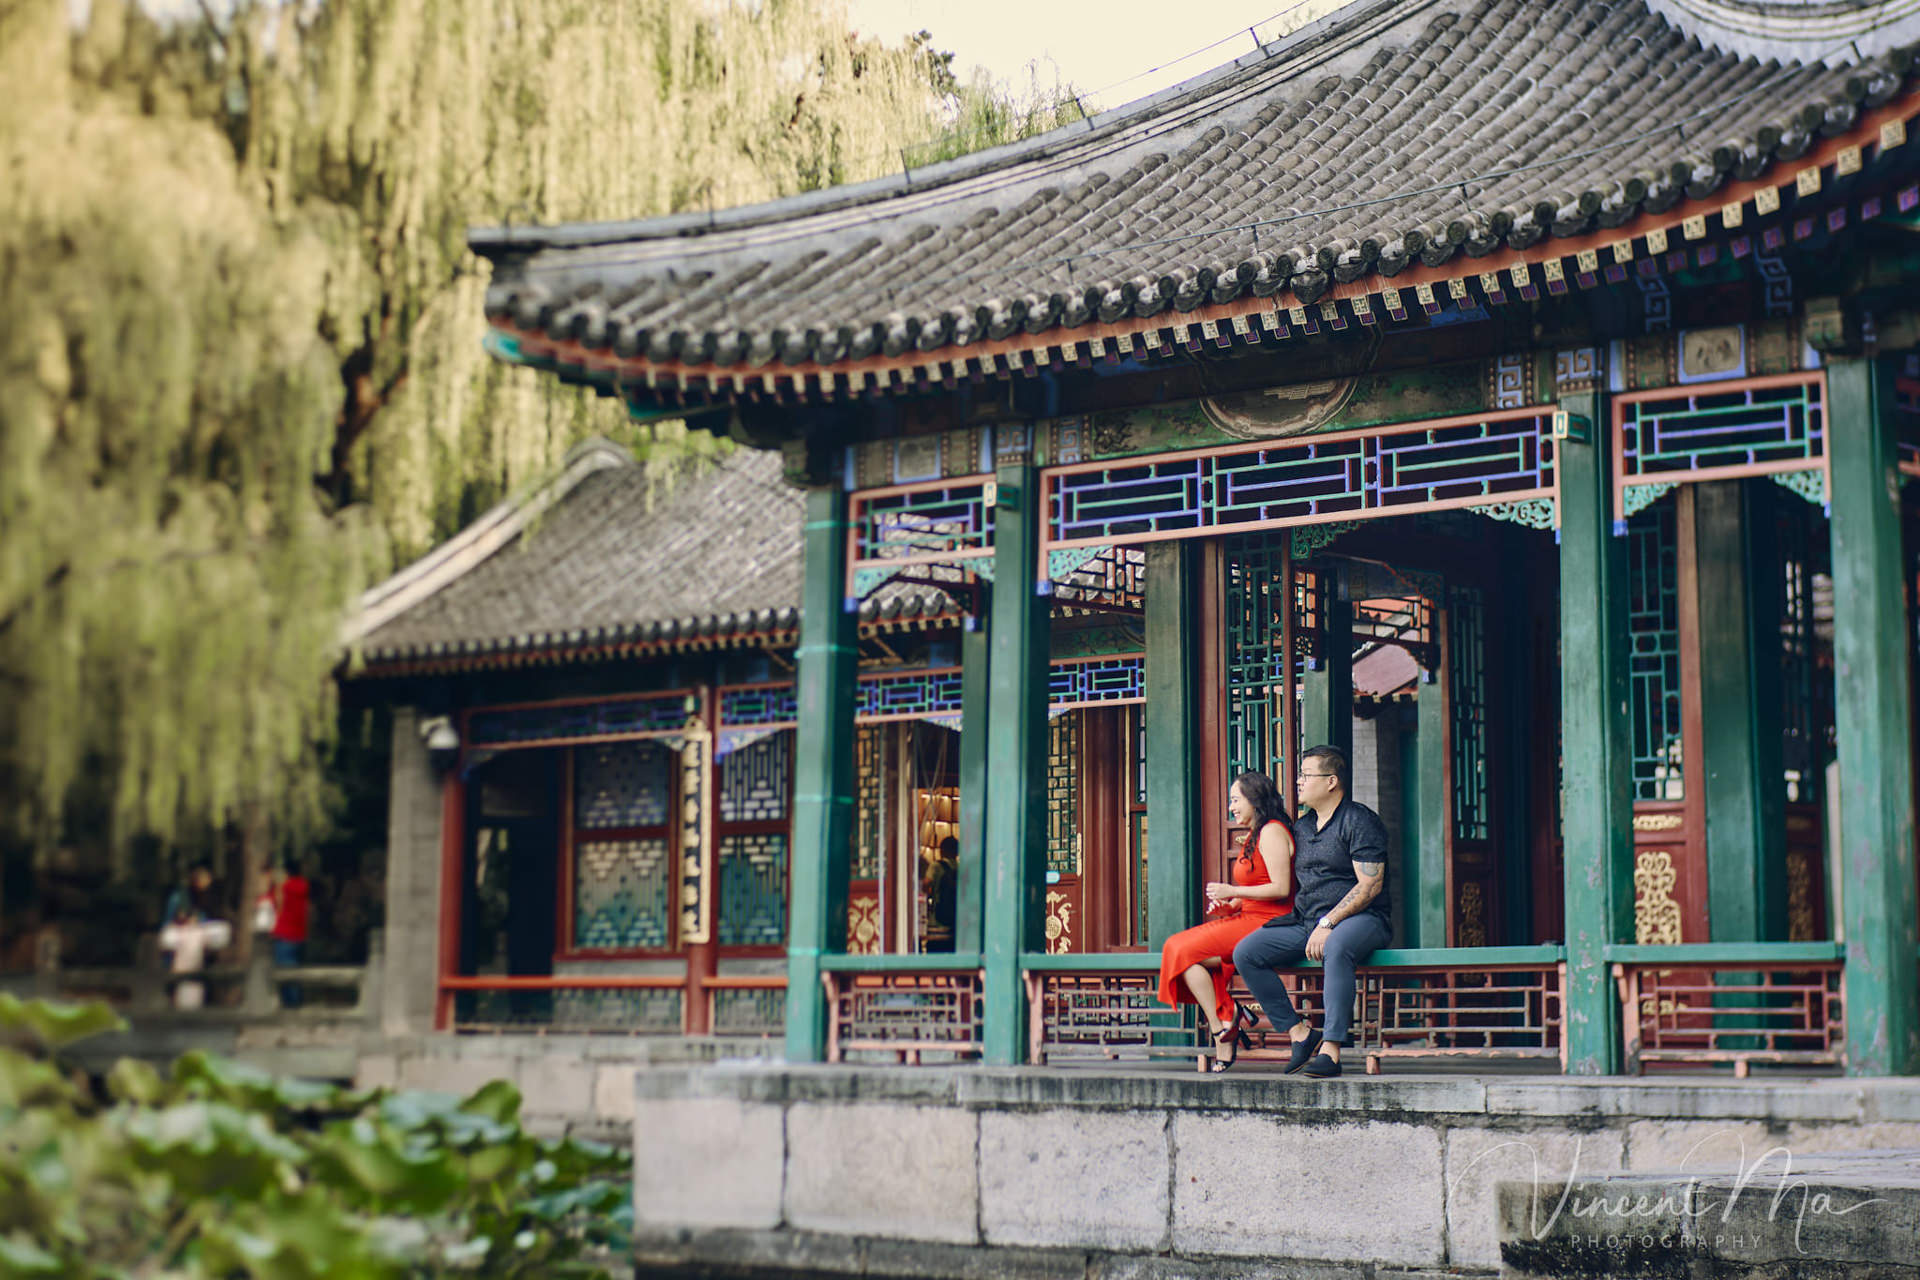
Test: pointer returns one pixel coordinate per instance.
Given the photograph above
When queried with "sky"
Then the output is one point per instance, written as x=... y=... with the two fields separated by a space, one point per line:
x=1112 y=51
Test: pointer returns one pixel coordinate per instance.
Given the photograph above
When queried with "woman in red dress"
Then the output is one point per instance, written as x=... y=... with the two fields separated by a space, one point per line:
x=1197 y=964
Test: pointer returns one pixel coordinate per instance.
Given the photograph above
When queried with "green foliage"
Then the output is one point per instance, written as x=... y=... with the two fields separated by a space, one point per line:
x=241 y=374
x=220 y=1170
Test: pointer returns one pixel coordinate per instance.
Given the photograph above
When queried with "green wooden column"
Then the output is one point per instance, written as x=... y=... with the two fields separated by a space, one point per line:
x=1426 y=836
x=1326 y=712
x=1739 y=712
x=1014 y=917
x=1597 y=811
x=1872 y=716
x=974 y=689
x=822 y=773
x=1173 y=739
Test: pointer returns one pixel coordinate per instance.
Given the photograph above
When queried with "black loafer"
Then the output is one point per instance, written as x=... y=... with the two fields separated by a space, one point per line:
x=1302 y=1050
x=1322 y=1067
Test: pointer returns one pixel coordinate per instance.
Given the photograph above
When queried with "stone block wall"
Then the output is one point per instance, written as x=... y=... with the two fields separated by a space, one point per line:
x=827 y=1171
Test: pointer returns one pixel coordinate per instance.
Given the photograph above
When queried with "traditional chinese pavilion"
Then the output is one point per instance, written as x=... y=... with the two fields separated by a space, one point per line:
x=1512 y=394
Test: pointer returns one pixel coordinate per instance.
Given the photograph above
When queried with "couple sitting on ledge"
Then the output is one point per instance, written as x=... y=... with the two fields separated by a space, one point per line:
x=1312 y=888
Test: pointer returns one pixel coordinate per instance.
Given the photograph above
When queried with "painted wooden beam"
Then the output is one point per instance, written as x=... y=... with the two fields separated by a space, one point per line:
x=970 y=888
x=1872 y=717
x=823 y=792
x=1014 y=913
x=1597 y=813
x=1173 y=740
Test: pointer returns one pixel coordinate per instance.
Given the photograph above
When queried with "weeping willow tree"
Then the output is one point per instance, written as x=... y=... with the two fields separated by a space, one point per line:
x=241 y=371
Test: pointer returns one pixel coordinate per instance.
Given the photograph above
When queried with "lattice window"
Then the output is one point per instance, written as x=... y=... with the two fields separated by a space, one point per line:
x=1653 y=632
x=753 y=890
x=908 y=695
x=1778 y=426
x=1256 y=665
x=868 y=823
x=1500 y=458
x=1806 y=648
x=638 y=1012
x=1063 y=793
x=522 y=726
x=1698 y=430
x=1467 y=654
x=922 y=524
x=759 y=704
x=749 y=1011
x=621 y=895
x=620 y=784
x=754 y=780
x=1116 y=679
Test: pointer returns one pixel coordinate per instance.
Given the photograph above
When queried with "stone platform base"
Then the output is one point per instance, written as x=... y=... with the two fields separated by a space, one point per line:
x=1844 y=1216
x=759 y=1255
x=752 y=1169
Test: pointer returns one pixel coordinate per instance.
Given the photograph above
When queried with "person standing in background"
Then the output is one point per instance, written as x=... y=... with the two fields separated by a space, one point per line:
x=292 y=908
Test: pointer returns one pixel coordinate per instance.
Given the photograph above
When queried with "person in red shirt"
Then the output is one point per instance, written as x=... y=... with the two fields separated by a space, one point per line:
x=291 y=909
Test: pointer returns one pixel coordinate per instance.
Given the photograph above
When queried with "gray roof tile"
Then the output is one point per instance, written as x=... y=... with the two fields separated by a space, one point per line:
x=1349 y=143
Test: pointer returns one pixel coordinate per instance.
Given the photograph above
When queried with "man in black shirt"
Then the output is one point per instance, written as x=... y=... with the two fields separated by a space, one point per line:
x=1340 y=911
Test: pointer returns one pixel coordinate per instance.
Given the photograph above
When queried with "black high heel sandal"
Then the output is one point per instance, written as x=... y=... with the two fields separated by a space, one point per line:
x=1235 y=1034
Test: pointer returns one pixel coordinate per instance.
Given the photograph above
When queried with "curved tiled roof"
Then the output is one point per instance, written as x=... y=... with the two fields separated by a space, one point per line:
x=611 y=561
x=1395 y=137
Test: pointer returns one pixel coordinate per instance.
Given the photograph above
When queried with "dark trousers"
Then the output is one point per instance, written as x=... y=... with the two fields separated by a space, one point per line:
x=286 y=955
x=1282 y=943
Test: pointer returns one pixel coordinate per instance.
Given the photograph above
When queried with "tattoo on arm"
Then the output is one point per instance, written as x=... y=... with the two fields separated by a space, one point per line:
x=1372 y=875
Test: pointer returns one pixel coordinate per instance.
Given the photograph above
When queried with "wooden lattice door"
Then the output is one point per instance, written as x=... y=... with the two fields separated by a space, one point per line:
x=1669 y=837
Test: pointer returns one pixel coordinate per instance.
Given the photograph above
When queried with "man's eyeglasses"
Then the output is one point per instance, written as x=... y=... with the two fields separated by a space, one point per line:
x=1304 y=774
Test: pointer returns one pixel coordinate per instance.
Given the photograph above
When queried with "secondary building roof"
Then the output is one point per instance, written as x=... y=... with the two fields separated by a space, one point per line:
x=1395 y=143
x=607 y=560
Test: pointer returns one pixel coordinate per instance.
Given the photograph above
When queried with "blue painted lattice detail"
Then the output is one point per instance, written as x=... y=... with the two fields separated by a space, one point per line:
x=760 y=704
x=522 y=726
x=621 y=890
x=1674 y=435
x=753 y=890
x=754 y=781
x=1267 y=486
x=908 y=695
x=1119 y=679
x=620 y=784
x=930 y=525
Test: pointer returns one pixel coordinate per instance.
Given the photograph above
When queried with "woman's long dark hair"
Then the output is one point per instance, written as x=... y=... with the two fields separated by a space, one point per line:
x=1265 y=798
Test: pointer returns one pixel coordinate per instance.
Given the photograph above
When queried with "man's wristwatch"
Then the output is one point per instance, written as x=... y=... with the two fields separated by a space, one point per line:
x=1325 y=923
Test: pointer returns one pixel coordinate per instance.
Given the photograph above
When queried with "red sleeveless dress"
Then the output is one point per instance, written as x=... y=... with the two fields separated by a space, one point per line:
x=1218 y=936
